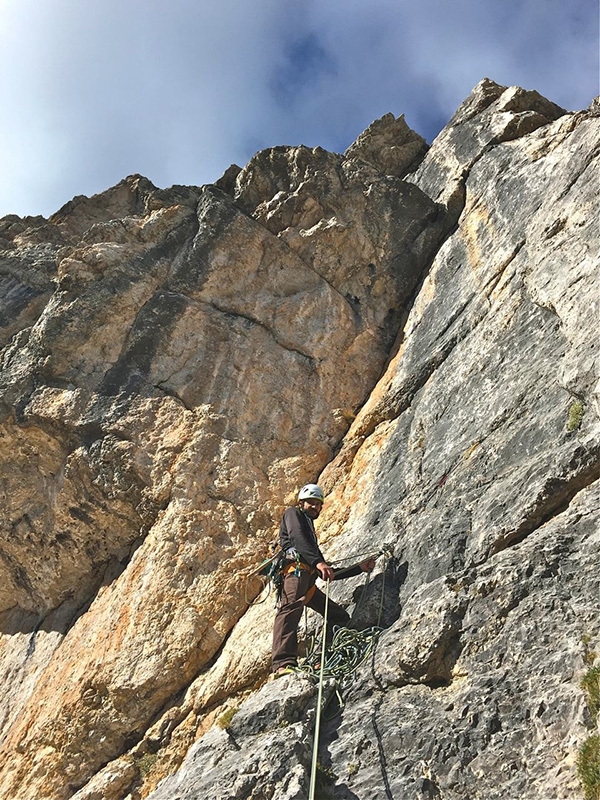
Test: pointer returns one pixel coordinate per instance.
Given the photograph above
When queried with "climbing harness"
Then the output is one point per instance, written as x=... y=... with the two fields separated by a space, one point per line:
x=296 y=568
x=272 y=572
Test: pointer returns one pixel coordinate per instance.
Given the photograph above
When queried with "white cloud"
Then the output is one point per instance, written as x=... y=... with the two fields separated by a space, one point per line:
x=103 y=90
x=178 y=89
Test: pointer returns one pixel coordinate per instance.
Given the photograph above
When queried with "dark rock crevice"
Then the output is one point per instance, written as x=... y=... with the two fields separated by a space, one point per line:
x=579 y=172
x=554 y=499
x=162 y=387
x=495 y=279
x=271 y=332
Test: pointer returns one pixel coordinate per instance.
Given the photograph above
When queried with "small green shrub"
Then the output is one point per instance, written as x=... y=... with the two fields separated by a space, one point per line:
x=224 y=720
x=326 y=773
x=588 y=767
x=146 y=763
x=575 y=415
x=590 y=683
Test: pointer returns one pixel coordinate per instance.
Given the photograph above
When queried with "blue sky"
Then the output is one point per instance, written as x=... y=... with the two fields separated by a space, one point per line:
x=179 y=89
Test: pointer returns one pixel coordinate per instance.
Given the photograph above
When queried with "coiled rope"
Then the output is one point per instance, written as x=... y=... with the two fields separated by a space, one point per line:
x=349 y=649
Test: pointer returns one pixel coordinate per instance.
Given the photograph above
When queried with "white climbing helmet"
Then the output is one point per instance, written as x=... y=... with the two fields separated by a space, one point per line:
x=311 y=492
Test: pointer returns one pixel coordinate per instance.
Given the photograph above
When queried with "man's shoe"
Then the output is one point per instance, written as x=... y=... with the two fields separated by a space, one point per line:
x=289 y=670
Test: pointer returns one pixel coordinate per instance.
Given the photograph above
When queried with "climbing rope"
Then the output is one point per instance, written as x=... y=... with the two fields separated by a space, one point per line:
x=315 y=761
x=388 y=552
x=339 y=661
x=349 y=648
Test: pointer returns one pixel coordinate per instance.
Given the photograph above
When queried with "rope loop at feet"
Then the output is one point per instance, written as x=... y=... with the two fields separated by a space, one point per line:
x=348 y=650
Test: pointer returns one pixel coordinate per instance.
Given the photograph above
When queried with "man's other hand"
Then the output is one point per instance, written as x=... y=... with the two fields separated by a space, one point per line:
x=325 y=571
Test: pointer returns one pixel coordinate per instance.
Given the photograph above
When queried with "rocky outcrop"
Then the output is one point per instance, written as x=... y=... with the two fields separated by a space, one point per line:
x=414 y=327
x=189 y=369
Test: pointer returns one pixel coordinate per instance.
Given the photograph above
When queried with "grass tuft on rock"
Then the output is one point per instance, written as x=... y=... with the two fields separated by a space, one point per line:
x=588 y=767
x=590 y=683
x=224 y=720
x=575 y=416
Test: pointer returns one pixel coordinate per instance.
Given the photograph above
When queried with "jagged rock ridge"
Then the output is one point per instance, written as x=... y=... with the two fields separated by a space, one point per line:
x=176 y=362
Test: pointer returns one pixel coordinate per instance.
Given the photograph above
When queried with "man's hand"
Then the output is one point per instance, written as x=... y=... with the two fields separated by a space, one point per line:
x=325 y=571
x=368 y=565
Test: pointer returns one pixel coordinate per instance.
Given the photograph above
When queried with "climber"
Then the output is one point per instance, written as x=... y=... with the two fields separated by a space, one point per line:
x=303 y=564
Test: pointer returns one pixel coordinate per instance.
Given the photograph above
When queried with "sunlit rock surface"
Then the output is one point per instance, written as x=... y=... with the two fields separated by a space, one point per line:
x=414 y=328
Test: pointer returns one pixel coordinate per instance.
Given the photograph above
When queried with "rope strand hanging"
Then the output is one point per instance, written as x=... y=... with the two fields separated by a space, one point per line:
x=315 y=755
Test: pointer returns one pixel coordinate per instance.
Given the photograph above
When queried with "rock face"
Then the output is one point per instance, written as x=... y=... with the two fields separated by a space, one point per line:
x=416 y=329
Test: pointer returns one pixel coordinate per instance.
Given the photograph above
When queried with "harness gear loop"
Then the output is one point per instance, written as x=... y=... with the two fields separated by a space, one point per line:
x=269 y=572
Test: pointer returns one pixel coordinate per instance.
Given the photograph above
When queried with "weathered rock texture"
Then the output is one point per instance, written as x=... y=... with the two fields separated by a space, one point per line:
x=414 y=327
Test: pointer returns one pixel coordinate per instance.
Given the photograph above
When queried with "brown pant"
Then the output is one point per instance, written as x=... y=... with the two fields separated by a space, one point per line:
x=293 y=601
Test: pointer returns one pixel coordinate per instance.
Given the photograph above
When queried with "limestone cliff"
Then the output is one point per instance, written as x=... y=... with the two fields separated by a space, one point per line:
x=414 y=327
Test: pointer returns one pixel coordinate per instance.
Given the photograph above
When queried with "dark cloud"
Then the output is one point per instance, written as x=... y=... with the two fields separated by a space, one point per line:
x=305 y=62
x=177 y=91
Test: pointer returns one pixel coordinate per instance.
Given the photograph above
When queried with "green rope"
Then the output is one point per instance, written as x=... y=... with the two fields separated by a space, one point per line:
x=348 y=650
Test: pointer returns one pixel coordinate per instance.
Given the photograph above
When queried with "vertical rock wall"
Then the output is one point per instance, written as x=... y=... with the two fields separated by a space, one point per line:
x=199 y=354
x=176 y=362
